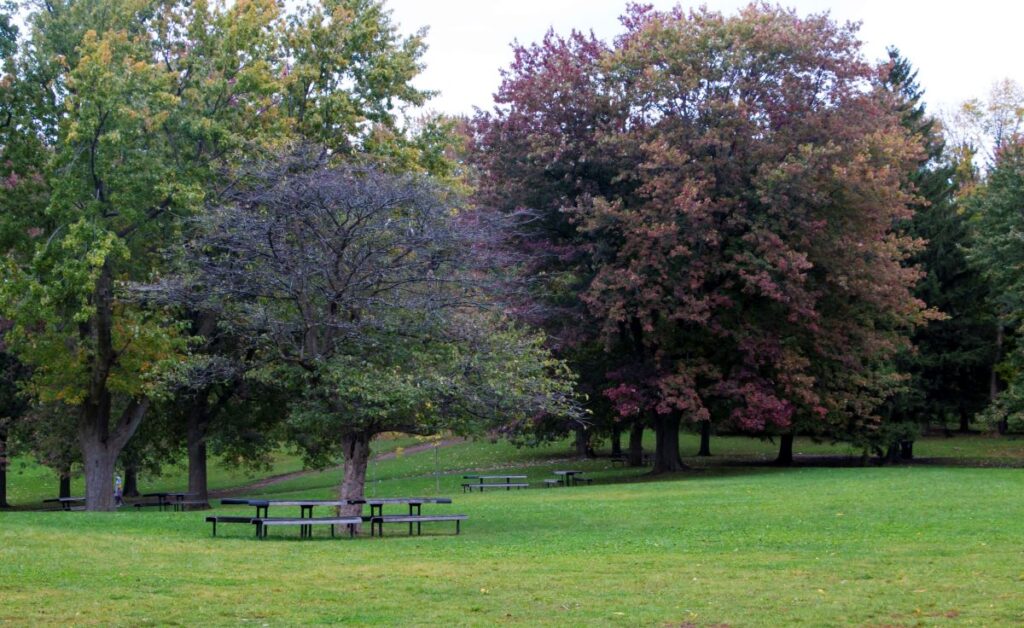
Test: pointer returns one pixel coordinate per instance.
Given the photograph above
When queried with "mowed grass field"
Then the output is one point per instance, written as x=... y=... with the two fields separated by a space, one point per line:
x=742 y=545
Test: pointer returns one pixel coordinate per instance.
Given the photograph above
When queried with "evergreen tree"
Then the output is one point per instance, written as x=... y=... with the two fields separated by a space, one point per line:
x=950 y=366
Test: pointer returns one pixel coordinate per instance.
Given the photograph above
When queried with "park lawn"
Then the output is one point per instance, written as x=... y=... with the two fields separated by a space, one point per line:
x=722 y=545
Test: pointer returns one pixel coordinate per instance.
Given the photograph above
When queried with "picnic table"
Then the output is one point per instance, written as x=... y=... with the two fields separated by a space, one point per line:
x=66 y=503
x=306 y=507
x=376 y=516
x=494 y=482
x=163 y=500
x=377 y=504
x=569 y=476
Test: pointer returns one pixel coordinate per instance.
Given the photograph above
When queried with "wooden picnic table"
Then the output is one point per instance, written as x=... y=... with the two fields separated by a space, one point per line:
x=65 y=502
x=377 y=504
x=482 y=484
x=569 y=476
x=306 y=507
x=169 y=499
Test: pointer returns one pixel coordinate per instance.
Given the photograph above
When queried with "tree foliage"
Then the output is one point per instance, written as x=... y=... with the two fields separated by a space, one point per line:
x=744 y=264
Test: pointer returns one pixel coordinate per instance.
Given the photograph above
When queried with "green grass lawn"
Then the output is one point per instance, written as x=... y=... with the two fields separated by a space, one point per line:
x=736 y=545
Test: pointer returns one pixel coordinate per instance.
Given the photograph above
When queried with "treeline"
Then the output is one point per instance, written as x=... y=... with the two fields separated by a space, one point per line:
x=748 y=228
x=222 y=233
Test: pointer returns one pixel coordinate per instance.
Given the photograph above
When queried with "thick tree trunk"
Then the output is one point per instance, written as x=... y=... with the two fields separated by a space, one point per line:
x=101 y=447
x=3 y=473
x=785 y=458
x=636 y=444
x=356 y=449
x=101 y=442
x=98 y=466
x=666 y=444
x=197 y=481
x=705 y=438
x=64 y=488
x=617 y=439
x=131 y=481
x=196 y=445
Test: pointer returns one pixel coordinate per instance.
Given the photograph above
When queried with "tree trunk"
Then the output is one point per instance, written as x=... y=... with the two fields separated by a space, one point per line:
x=65 y=484
x=666 y=444
x=102 y=446
x=99 y=476
x=356 y=449
x=705 y=438
x=616 y=439
x=3 y=472
x=1003 y=426
x=196 y=445
x=785 y=458
x=582 y=442
x=131 y=481
x=907 y=449
x=636 y=444
x=965 y=419
x=101 y=442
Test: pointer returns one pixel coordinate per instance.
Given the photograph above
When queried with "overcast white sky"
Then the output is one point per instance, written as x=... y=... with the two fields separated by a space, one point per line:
x=959 y=48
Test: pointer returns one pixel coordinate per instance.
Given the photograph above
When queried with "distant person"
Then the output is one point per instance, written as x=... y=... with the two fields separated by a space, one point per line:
x=118 y=491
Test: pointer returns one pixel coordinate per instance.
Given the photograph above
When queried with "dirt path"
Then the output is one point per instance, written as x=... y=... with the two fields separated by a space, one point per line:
x=284 y=477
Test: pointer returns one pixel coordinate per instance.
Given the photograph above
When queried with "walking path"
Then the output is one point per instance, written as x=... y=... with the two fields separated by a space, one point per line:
x=284 y=477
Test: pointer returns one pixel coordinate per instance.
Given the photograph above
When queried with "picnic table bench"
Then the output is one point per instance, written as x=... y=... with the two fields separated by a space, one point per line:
x=377 y=522
x=305 y=524
x=508 y=484
x=66 y=503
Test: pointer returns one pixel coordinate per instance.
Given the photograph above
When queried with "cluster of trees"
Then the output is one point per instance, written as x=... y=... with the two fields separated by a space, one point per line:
x=218 y=229
x=220 y=232
x=763 y=232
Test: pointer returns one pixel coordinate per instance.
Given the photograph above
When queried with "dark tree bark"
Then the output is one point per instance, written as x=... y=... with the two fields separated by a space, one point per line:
x=3 y=472
x=356 y=449
x=636 y=444
x=705 y=438
x=785 y=458
x=666 y=444
x=1003 y=426
x=582 y=442
x=197 y=479
x=907 y=449
x=616 y=439
x=65 y=484
x=131 y=481
x=198 y=423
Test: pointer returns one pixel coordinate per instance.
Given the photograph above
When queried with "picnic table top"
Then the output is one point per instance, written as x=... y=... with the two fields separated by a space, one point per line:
x=228 y=501
x=568 y=472
x=495 y=477
x=64 y=499
x=409 y=500
x=167 y=494
x=289 y=502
